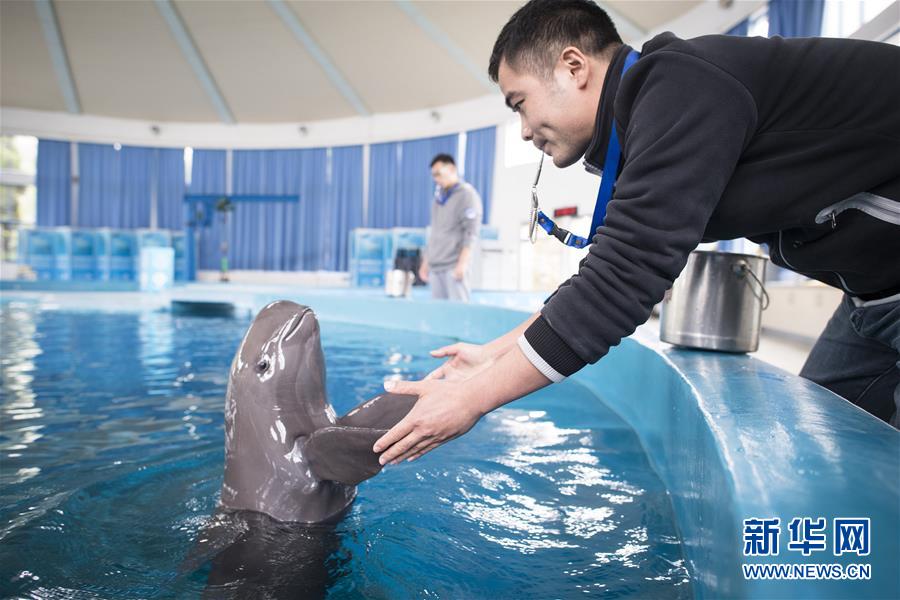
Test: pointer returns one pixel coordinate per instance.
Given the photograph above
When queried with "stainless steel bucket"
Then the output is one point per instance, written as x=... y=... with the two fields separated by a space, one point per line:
x=398 y=283
x=716 y=303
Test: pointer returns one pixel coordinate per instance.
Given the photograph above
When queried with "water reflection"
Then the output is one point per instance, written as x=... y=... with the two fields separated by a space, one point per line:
x=582 y=498
x=18 y=349
x=118 y=475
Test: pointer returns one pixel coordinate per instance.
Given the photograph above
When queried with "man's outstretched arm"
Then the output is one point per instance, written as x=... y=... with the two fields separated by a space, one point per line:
x=466 y=360
x=447 y=409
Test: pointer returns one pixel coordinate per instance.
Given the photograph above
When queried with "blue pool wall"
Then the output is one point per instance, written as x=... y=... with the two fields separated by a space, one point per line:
x=731 y=437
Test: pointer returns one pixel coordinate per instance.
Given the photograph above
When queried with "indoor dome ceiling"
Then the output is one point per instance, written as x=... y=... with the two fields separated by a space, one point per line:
x=259 y=61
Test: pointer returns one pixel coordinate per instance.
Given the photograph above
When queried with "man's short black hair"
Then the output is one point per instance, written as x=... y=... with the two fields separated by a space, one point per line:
x=536 y=34
x=443 y=158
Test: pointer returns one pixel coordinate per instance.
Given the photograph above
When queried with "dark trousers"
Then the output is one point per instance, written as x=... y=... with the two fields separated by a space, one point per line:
x=858 y=357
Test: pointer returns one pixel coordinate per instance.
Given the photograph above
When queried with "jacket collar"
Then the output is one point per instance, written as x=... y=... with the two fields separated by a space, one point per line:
x=596 y=151
x=441 y=195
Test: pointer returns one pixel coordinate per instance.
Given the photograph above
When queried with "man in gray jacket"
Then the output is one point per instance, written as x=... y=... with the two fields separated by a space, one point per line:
x=455 y=222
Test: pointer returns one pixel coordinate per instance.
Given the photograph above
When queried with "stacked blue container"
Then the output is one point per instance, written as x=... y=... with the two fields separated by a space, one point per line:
x=178 y=244
x=63 y=254
x=154 y=238
x=404 y=238
x=117 y=251
x=83 y=260
x=155 y=261
x=156 y=268
x=368 y=254
x=46 y=252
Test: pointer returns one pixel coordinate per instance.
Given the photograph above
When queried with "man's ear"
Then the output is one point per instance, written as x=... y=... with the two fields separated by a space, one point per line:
x=575 y=66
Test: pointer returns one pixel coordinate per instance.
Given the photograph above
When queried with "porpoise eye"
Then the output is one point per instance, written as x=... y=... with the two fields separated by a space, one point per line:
x=263 y=365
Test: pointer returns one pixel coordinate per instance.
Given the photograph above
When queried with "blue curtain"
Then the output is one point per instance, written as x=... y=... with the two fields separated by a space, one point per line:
x=741 y=29
x=384 y=184
x=99 y=184
x=313 y=202
x=114 y=186
x=99 y=176
x=261 y=232
x=796 y=18
x=344 y=208
x=208 y=172
x=134 y=205
x=208 y=177
x=54 y=183
x=279 y=236
x=247 y=237
x=170 y=188
x=400 y=186
x=480 y=146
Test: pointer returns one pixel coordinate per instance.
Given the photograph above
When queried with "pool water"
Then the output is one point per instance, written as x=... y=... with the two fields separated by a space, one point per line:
x=112 y=456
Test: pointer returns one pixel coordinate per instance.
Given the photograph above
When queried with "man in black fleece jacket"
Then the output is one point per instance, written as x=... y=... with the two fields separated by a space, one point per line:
x=792 y=143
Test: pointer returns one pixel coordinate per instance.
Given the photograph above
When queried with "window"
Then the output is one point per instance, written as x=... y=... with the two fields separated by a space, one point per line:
x=841 y=18
x=188 y=166
x=18 y=197
x=758 y=23
x=517 y=151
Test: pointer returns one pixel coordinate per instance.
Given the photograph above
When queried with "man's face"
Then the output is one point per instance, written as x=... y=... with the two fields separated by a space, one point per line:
x=444 y=174
x=557 y=113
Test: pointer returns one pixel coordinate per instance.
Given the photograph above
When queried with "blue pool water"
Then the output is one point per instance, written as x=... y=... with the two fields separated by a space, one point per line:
x=112 y=457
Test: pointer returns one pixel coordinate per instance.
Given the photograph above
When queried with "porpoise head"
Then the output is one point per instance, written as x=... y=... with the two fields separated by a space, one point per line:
x=276 y=398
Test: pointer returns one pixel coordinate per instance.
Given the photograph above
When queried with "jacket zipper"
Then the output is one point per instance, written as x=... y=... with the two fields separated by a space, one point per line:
x=873 y=205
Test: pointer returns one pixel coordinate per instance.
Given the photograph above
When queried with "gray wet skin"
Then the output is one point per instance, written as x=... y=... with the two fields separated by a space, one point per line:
x=286 y=453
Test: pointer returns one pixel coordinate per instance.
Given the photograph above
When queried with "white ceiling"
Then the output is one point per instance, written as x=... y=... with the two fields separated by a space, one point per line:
x=126 y=62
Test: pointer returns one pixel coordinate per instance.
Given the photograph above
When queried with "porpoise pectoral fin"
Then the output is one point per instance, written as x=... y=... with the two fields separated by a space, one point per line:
x=343 y=453
x=381 y=412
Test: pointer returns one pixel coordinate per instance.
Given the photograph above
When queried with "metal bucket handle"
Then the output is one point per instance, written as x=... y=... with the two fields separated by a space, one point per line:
x=741 y=268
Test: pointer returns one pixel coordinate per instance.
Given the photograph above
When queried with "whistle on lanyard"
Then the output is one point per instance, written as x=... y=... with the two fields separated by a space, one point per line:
x=537 y=217
x=604 y=194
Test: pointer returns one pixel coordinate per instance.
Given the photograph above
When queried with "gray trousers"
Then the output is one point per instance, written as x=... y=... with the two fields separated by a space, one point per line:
x=858 y=357
x=446 y=287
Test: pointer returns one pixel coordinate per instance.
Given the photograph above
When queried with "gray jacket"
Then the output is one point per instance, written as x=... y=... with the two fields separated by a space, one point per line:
x=454 y=226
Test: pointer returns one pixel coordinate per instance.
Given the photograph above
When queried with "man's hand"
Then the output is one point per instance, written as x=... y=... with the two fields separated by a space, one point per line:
x=462 y=263
x=465 y=361
x=447 y=409
x=441 y=414
x=423 y=271
x=459 y=271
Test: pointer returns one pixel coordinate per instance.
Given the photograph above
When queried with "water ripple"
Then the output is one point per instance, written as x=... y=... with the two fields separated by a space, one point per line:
x=112 y=455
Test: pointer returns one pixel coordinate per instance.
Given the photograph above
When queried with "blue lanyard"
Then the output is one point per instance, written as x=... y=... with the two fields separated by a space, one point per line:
x=607 y=183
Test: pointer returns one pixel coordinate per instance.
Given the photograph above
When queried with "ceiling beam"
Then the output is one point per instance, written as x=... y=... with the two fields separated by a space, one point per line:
x=444 y=41
x=195 y=60
x=881 y=27
x=294 y=25
x=50 y=25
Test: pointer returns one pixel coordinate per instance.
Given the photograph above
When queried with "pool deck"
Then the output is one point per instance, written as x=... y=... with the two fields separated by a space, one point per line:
x=788 y=353
x=731 y=436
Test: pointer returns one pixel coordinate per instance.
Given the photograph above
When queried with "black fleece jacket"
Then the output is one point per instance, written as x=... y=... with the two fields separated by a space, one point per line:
x=726 y=137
